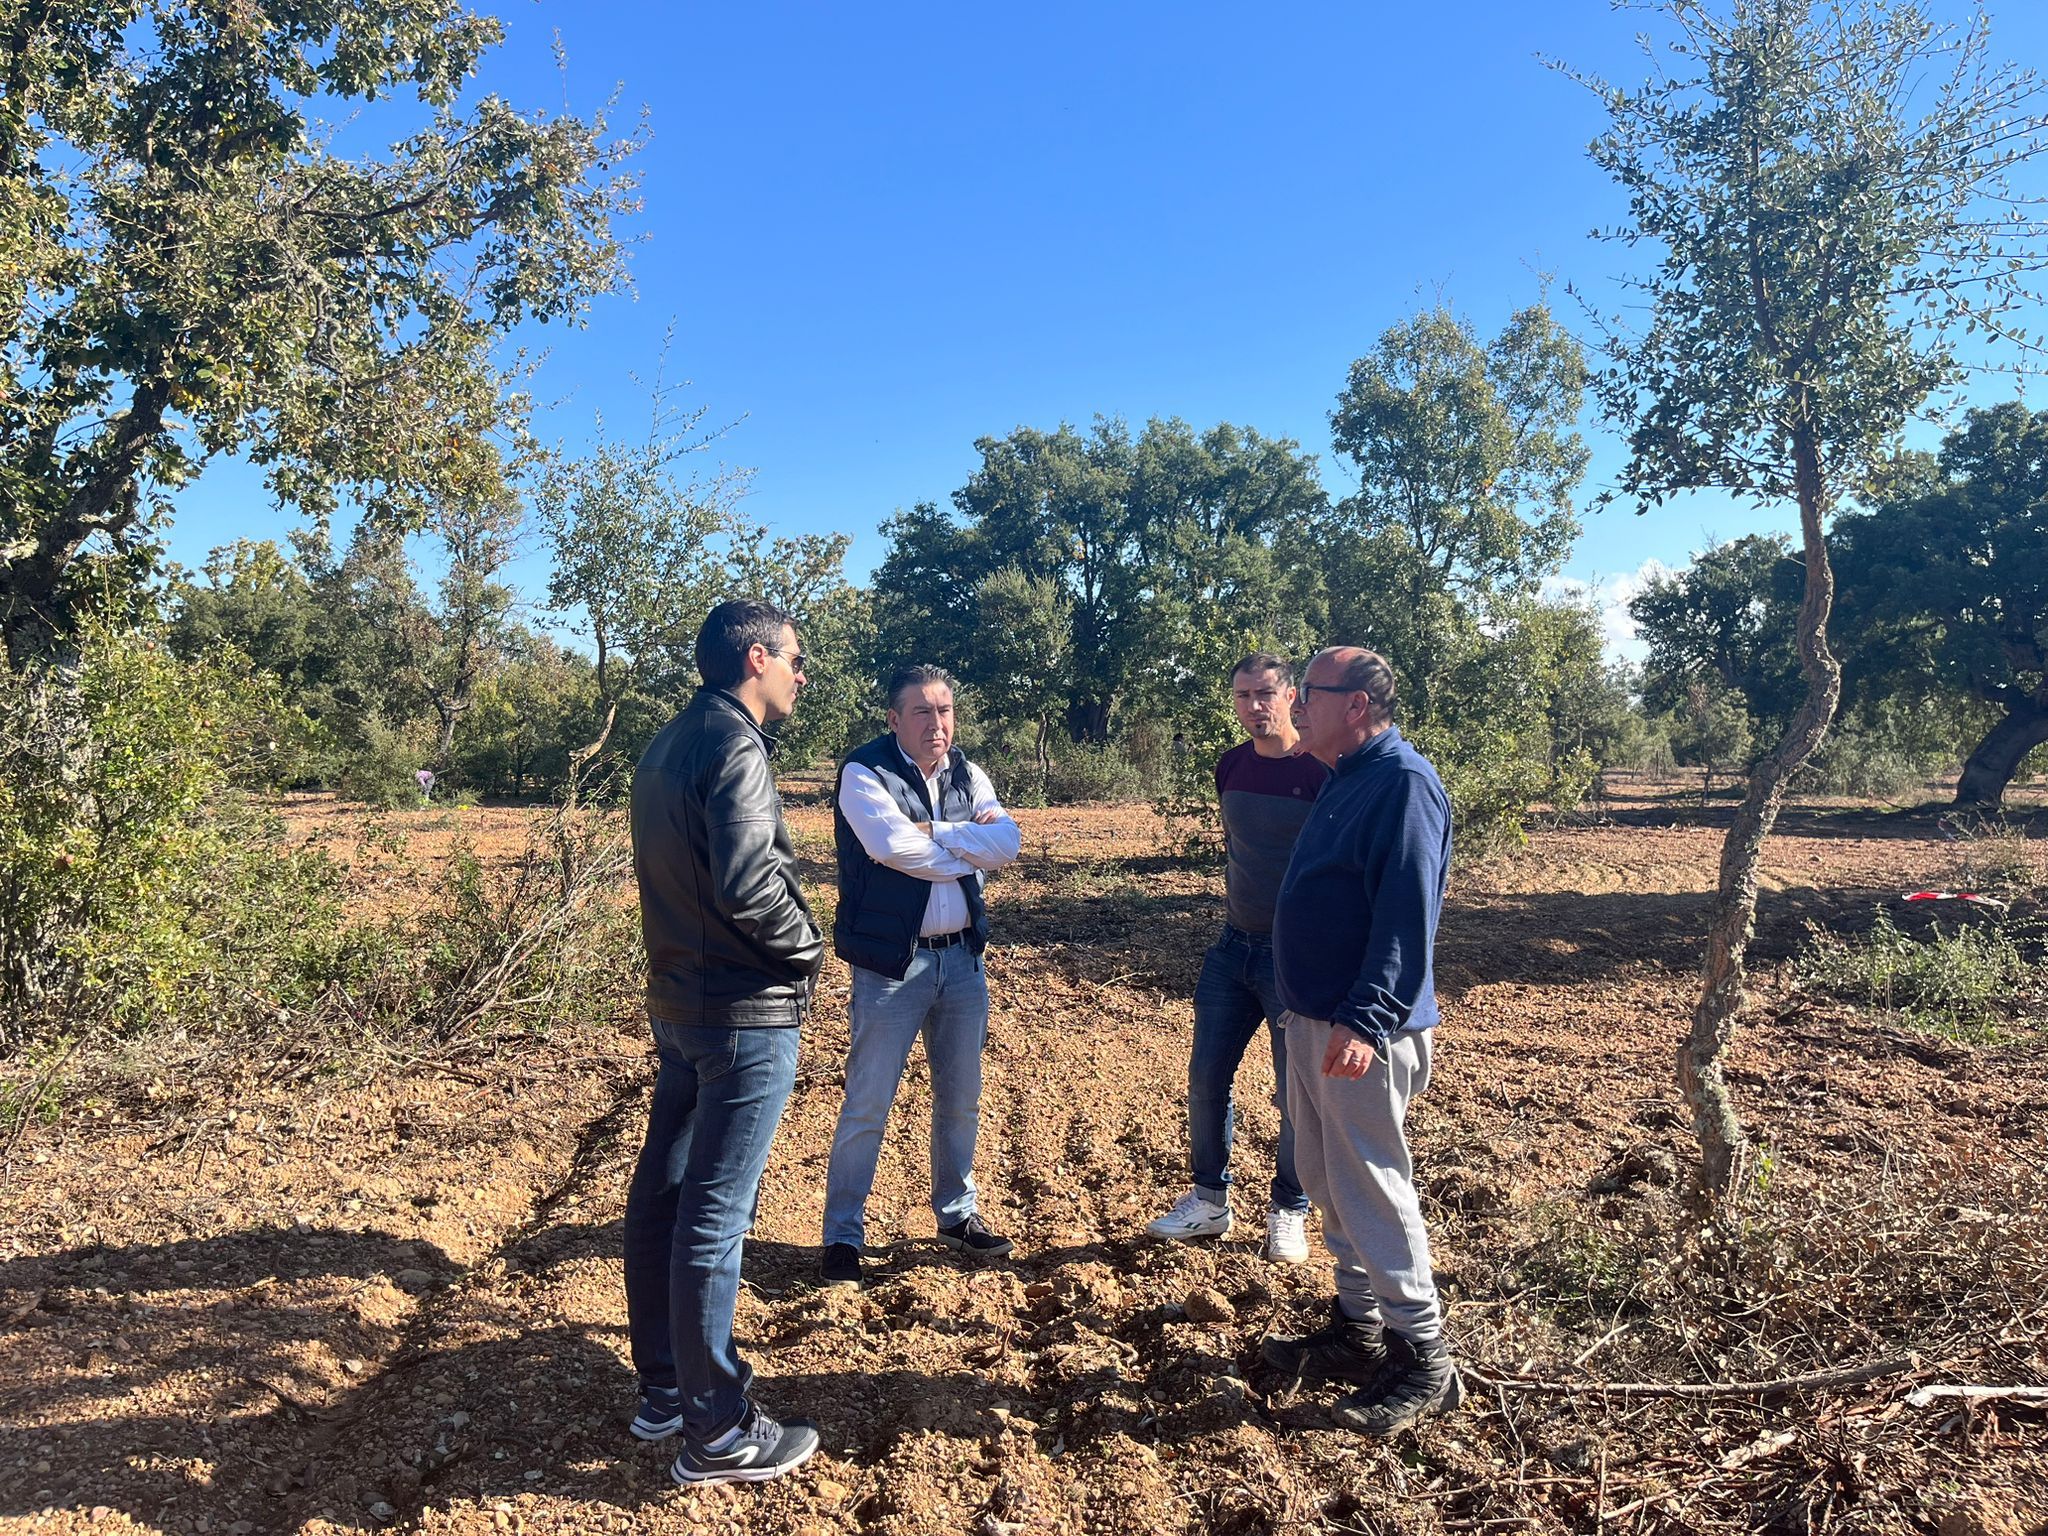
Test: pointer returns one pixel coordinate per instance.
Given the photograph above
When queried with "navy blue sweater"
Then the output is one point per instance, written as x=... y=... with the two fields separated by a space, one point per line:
x=1355 y=925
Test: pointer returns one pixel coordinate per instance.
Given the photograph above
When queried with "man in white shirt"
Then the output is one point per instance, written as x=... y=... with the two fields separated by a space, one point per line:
x=916 y=826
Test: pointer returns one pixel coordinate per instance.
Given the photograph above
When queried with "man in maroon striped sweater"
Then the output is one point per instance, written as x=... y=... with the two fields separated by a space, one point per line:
x=1266 y=790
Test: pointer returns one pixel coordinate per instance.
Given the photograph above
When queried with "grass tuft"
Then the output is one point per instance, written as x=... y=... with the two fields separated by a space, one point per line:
x=1971 y=984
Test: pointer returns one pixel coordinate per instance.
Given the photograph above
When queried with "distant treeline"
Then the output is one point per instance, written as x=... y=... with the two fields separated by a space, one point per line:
x=1092 y=589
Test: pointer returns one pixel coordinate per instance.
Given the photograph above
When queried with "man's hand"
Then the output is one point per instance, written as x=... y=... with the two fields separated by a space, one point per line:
x=923 y=826
x=1348 y=1055
x=988 y=817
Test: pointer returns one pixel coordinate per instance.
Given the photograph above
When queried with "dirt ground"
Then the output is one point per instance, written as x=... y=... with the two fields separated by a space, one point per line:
x=397 y=1305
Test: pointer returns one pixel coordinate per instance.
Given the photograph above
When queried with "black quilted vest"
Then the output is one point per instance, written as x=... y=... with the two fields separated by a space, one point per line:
x=881 y=909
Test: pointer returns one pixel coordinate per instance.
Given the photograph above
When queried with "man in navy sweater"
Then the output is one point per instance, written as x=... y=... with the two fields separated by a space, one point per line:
x=1353 y=933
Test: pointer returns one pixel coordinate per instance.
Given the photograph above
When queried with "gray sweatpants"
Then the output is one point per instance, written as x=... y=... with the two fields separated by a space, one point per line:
x=1351 y=1155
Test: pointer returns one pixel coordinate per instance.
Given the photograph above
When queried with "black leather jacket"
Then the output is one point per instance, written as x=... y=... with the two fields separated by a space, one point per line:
x=730 y=939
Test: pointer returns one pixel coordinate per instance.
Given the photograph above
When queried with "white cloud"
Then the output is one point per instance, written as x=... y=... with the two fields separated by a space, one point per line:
x=1610 y=596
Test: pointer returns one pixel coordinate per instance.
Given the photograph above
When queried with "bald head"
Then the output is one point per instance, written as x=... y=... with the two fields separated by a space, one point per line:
x=1346 y=699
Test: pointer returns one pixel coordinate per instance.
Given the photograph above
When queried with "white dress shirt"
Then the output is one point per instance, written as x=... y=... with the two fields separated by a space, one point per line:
x=953 y=849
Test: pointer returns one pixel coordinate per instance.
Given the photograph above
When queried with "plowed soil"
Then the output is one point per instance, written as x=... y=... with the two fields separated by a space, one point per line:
x=397 y=1306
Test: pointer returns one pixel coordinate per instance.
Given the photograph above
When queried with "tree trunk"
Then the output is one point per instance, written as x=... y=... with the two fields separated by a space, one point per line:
x=1700 y=1074
x=580 y=757
x=32 y=606
x=444 y=746
x=1088 y=720
x=1044 y=758
x=1997 y=757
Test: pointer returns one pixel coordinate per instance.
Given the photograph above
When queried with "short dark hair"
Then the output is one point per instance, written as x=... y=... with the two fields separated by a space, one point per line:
x=922 y=675
x=1368 y=673
x=731 y=630
x=1265 y=661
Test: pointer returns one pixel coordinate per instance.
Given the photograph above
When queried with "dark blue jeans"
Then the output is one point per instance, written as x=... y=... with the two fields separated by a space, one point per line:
x=717 y=1100
x=1235 y=995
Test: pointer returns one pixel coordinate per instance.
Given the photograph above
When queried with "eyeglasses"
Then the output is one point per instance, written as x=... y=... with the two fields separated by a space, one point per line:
x=796 y=662
x=1328 y=688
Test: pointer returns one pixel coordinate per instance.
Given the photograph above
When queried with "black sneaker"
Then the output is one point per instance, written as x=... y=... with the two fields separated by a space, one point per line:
x=763 y=1449
x=660 y=1415
x=973 y=1238
x=840 y=1265
x=1340 y=1350
x=1420 y=1379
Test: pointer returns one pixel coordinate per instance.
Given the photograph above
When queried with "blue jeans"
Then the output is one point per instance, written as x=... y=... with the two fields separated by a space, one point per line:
x=1235 y=995
x=943 y=997
x=717 y=1100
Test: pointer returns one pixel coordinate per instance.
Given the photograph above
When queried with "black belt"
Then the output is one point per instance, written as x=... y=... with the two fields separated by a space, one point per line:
x=945 y=940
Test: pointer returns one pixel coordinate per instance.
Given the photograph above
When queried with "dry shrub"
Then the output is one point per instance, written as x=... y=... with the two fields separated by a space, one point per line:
x=486 y=959
x=1935 y=1264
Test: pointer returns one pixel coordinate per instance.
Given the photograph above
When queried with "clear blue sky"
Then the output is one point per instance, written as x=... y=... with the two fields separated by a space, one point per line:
x=882 y=232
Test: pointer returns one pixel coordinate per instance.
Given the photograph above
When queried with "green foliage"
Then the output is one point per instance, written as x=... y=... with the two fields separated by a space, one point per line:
x=516 y=737
x=1890 y=747
x=1114 y=580
x=1825 y=187
x=540 y=942
x=1468 y=461
x=1094 y=773
x=144 y=893
x=1711 y=730
x=2000 y=859
x=1078 y=772
x=383 y=768
x=1727 y=621
x=1020 y=655
x=397 y=678
x=1467 y=452
x=632 y=548
x=461 y=642
x=32 y=1086
x=256 y=599
x=1501 y=726
x=1492 y=783
x=1822 y=188
x=641 y=553
x=1871 y=764
x=1945 y=584
x=1594 y=707
x=1164 y=551
x=137 y=883
x=187 y=268
x=805 y=576
x=1644 y=747
x=1582 y=1266
x=1966 y=983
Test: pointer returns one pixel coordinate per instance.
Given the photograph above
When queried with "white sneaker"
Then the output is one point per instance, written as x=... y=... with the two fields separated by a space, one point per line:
x=1196 y=1216
x=1286 y=1236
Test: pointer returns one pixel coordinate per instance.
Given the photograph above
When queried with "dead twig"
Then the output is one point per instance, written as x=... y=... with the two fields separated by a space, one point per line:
x=1812 y=1381
x=1599 y=1344
x=1920 y=1397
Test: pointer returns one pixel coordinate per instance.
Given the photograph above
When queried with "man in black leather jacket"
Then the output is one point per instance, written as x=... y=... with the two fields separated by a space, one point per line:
x=732 y=952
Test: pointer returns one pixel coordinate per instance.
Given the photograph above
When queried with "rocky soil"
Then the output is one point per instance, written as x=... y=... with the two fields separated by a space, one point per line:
x=393 y=1302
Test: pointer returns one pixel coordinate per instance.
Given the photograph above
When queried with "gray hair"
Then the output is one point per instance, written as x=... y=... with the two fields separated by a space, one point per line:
x=1365 y=672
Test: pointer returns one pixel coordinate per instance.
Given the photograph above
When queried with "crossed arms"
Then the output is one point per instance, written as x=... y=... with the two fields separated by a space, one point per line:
x=933 y=851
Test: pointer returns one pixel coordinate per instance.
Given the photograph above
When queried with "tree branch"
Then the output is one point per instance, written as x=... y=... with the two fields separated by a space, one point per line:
x=1811 y=1381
